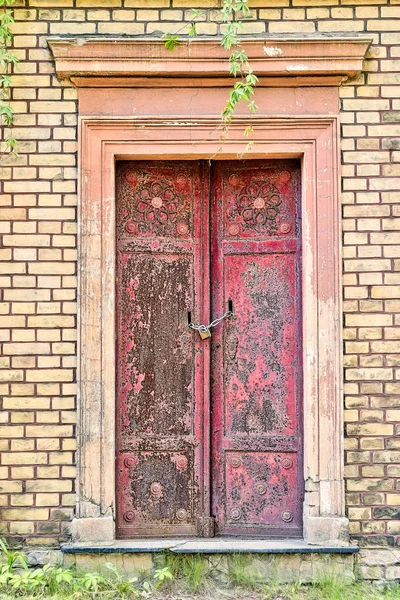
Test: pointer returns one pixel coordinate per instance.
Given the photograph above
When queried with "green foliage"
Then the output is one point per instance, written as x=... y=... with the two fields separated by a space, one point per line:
x=239 y=573
x=171 y=41
x=327 y=587
x=7 y=59
x=17 y=580
x=232 y=13
x=178 y=575
x=192 y=570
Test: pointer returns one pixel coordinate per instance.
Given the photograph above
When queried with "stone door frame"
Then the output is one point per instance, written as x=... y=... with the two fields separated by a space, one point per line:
x=314 y=141
x=190 y=134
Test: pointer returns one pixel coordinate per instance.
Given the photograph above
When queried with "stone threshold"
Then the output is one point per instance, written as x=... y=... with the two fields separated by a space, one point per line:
x=208 y=546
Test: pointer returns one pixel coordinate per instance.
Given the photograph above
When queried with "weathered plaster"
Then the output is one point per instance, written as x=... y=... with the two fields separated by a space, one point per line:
x=179 y=122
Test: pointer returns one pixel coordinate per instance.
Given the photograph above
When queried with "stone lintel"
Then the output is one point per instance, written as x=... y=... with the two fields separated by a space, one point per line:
x=87 y=59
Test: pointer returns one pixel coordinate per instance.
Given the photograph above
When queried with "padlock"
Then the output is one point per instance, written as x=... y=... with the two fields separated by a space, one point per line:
x=204 y=334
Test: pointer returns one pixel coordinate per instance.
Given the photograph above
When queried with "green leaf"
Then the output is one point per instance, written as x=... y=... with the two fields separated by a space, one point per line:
x=192 y=30
x=171 y=41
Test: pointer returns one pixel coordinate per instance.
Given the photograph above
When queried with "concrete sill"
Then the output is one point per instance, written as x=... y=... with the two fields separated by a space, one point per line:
x=207 y=546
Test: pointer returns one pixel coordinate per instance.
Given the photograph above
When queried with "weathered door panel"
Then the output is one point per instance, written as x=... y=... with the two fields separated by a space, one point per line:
x=256 y=356
x=160 y=475
x=167 y=271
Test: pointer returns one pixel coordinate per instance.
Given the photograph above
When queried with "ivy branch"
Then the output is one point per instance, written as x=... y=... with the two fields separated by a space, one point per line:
x=232 y=13
x=7 y=59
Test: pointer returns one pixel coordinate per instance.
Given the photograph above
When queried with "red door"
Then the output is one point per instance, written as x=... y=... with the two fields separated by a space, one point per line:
x=190 y=454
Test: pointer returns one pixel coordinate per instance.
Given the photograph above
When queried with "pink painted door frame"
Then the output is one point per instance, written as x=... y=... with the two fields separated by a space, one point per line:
x=174 y=115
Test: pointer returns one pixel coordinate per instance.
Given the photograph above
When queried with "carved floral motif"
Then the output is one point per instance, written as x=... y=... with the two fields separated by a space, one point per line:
x=155 y=203
x=259 y=206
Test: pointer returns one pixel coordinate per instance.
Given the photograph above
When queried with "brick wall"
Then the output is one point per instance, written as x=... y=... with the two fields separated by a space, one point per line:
x=38 y=256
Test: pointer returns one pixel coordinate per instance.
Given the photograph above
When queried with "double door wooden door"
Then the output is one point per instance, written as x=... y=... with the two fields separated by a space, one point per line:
x=208 y=431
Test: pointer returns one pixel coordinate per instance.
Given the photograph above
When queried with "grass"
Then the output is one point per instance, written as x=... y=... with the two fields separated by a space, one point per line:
x=179 y=577
x=190 y=570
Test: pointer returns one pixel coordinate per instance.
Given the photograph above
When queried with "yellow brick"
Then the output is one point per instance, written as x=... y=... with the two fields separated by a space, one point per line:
x=60 y=458
x=50 y=416
x=63 y=403
x=47 y=499
x=12 y=214
x=68 y=499
x=63 y=348
x=45 y=308
x=387 y=291
x=12 y=268
x=11 y=374
x=22 y=472
x=50 y=281
x=49 y=321
x=24 y=458
x=369 y=429
x=23 y=308
x=69 y=444
x=389 y=346
x=48 y=389
x=314 y=2
x=49 y=430
x=53 y=107
x=48 y=444
x=370 y=278
x=69 y=471
x=25 y=514
x=365 y=210
x=18 y=528
x=393 y=333
x=177 y=3
x=43 y=375
x=371 y=361
x=48 y=472
x=101 y=3
x=22 y=417
x=61 y=268
x=104 y=15
x=26 y=240
x=26 y=348
x=49 y=485
x=368 y=374
x=368 y=320
x=21 y=500
x=393 y=499
x=293 y=26
x=64 y=240
x=11 y=431
x=47 y=227
x=132 y=28
x=359 y=513
x=340 y=26
x=10 y=486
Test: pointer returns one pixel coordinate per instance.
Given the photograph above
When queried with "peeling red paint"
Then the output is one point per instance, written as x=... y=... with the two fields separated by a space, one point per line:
x=165 y=429
x=256 y=356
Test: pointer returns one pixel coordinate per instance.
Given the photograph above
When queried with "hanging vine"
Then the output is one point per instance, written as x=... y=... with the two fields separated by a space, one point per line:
x=7 y=59
x=232 y=14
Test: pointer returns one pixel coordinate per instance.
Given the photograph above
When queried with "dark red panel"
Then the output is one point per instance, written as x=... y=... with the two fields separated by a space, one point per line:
x=169 y=421
x=256 y=355
x=261 y=488
x=160 y=361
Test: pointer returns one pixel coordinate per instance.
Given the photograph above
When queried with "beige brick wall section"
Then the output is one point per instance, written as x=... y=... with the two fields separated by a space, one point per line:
x=38 y=254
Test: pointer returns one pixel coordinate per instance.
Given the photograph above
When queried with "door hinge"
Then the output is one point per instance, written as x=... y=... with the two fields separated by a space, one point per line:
x=206 y=527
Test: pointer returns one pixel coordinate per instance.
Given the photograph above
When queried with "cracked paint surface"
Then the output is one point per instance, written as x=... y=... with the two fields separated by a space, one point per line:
x=255 y=357
x=158 y=452
x=256 y=377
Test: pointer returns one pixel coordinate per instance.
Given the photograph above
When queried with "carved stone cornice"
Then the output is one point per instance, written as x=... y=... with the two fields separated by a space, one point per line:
x=145 y=62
